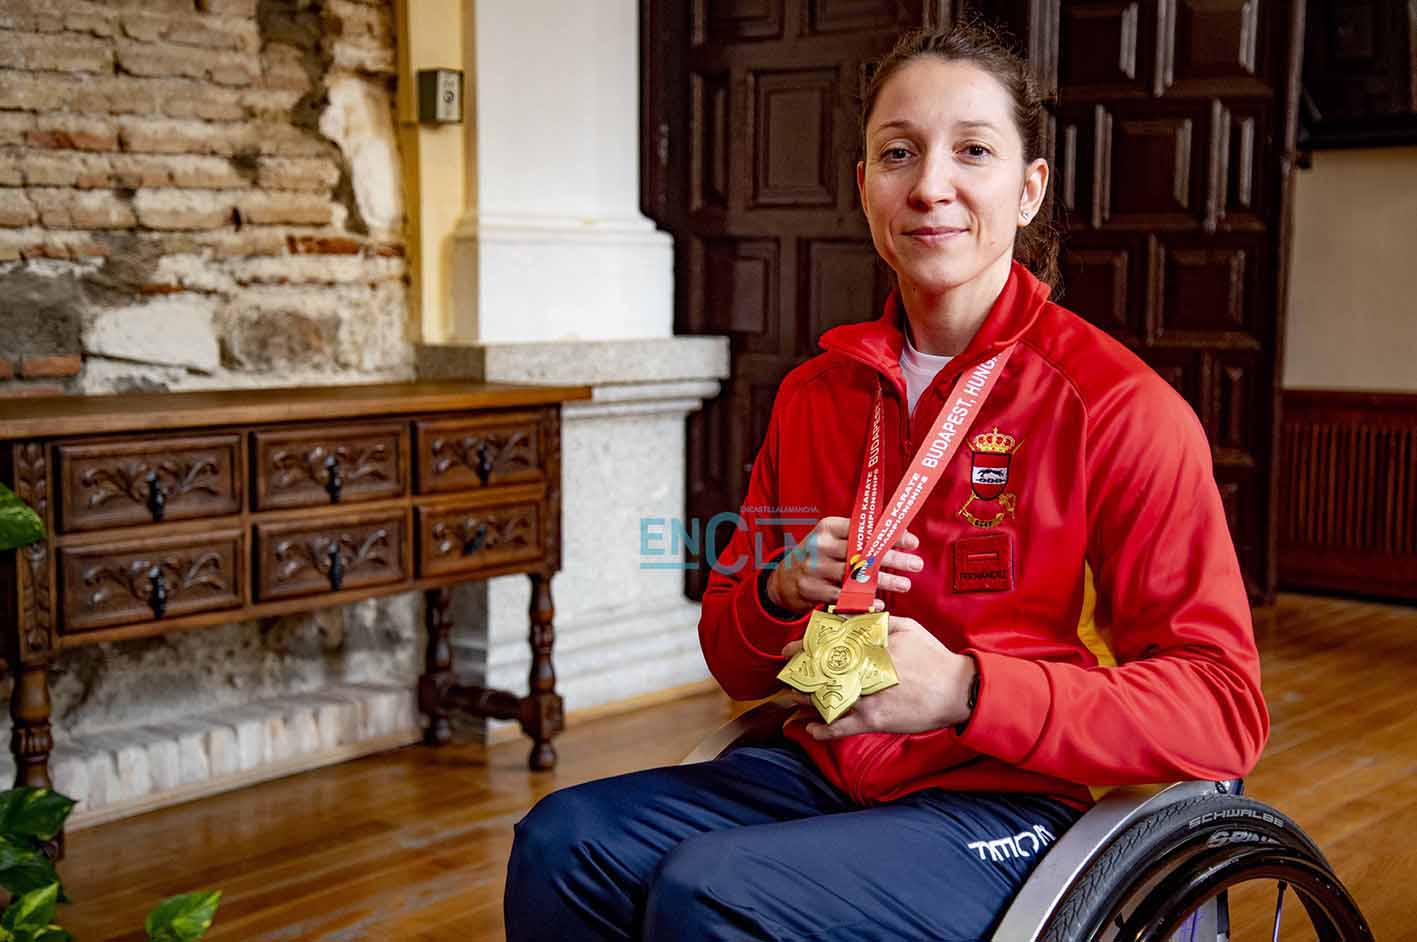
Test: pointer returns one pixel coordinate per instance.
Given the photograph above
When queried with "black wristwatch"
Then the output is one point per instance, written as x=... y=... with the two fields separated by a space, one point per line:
x=970 y=701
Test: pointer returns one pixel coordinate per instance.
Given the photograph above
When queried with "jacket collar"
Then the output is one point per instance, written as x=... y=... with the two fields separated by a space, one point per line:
x=878 y=343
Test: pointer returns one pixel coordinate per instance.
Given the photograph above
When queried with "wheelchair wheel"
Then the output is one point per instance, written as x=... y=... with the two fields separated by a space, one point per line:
x=1182 y=873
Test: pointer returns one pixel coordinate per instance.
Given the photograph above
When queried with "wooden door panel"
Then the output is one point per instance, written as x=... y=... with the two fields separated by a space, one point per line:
x=854 y=16
x=841 y=278
x=1237 y=424
x=1101 y=45
x=709 y=166
x=1211 y=289
x=736 y=288
x=1247 y=203
x=1143 y=165
x=1100 y=280
x=793 y=143
x=726 y=21
x=1150 y=168
x=1215 y=39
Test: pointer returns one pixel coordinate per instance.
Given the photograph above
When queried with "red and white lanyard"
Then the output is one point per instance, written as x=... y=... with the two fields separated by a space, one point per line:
x=863 y=565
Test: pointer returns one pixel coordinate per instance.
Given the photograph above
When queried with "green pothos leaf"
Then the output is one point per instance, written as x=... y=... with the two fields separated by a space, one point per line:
x=31 y=912
x=19 y=524
x=38 y=813
x=183 y=918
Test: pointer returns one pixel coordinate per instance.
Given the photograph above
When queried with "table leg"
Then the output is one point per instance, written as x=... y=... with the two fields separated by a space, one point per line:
x=438 y=667
x=30 y=738
x=542 y=710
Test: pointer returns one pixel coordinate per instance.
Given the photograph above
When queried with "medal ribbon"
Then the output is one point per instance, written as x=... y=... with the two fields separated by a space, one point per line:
x=952 y=423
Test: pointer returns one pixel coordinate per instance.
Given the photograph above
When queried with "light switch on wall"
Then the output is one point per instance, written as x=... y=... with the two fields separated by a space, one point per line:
x=439 y=96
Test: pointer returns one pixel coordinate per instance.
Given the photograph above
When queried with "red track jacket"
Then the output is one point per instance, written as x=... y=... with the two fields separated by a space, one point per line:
x=1114 y=647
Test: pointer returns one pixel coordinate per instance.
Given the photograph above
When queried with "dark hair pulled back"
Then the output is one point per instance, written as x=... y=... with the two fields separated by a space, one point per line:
x=986 y=47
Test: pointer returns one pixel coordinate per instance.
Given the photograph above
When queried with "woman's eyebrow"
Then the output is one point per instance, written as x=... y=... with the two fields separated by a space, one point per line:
x=905 y=124
x=901 y=123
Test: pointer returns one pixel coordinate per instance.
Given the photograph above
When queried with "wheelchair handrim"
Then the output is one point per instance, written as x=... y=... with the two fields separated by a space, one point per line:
x=1169 y=904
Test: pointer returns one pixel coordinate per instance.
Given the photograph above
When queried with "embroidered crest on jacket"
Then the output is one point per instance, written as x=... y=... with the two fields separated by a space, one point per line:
x=990 y=456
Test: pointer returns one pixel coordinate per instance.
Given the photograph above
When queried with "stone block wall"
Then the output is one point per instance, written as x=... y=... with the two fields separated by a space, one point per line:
x=198 y=194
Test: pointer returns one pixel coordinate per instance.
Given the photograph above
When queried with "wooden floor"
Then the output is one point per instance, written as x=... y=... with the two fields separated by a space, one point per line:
x=411 y=845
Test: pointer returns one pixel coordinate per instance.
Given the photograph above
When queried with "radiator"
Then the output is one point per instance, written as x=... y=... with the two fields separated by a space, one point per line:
x=1347 y=493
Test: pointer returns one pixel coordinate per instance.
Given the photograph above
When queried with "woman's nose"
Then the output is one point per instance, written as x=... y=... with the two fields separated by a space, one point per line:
x=935 y=182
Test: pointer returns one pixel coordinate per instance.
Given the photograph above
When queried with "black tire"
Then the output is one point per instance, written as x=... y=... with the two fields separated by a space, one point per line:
x=1162 y=867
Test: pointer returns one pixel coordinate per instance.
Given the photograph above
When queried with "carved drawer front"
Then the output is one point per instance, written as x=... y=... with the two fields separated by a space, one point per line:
x=312 y=466
x=458 y=454
x=136 y=481
x=301 y=558
x=146 y=580
x=463 y=539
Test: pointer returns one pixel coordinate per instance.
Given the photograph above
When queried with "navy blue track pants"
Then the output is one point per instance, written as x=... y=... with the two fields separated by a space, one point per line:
x=757 y=844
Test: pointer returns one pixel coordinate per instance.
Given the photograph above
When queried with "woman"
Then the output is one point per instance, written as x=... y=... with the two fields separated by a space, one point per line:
x=1067 y=612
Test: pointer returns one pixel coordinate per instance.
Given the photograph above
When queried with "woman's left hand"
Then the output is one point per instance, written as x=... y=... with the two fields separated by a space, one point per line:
x=933 y=691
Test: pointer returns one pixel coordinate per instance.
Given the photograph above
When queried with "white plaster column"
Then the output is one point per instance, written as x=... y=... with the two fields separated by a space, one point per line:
x=559 y=279
x=552 y=245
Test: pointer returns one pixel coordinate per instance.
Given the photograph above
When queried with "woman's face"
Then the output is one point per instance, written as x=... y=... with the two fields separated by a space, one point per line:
x=944 y=185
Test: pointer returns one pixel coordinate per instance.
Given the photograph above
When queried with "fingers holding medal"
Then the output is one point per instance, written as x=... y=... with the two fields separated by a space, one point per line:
x=812 y=574
x=929 y=688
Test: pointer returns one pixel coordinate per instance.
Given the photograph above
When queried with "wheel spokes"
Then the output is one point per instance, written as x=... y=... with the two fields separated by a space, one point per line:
x=1279 y=909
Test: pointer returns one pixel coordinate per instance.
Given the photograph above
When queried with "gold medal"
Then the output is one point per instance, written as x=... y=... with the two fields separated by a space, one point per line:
x=843 y=657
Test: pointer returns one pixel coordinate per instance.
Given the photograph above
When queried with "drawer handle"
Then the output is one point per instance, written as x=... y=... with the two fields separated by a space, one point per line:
x=157 y=591
x=336 y=567
x=334 y=480
x=157 y=499
x=484 y=463
x=475 y=542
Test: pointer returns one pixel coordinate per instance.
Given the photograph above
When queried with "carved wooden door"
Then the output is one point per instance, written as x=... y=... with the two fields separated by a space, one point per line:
x=1174 y=145
x=751 y=143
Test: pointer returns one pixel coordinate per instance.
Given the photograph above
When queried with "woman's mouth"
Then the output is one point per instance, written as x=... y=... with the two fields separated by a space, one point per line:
x=934 y=235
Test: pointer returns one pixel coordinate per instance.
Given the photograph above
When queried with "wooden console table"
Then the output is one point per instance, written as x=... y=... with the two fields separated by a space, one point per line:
x=174 y=511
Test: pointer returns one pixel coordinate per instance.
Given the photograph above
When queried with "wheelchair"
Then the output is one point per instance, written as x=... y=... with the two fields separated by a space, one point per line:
x=1152 y=865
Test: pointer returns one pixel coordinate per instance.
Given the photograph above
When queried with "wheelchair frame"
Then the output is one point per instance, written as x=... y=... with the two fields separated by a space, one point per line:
x=1061 y=868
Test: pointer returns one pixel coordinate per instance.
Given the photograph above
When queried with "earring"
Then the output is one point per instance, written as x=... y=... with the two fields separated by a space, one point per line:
x=1026 y=214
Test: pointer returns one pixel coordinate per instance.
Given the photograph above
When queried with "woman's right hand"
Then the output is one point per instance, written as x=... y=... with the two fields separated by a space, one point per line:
x=812 y=573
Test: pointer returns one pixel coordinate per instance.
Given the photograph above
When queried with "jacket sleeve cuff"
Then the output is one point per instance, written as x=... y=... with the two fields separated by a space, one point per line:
x=766 y=628
x=1015 y=699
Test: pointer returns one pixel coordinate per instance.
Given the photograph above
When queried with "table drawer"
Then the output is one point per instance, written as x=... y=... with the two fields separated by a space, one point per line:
x=308 y=467
x=146 y=580
x=458 y=454
x=147 y=480
x=304 y=558
x=464 y=539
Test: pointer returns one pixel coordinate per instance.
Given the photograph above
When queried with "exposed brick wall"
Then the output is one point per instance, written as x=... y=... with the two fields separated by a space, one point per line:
x=198 y=193
x=204 y=193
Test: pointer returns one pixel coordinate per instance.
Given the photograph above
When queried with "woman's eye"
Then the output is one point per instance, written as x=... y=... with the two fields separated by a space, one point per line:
x=978 y=151
x=894 y=154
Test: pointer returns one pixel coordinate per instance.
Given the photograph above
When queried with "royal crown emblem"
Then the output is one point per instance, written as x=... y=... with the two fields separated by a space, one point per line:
x=993 y=452
x=994 y=443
